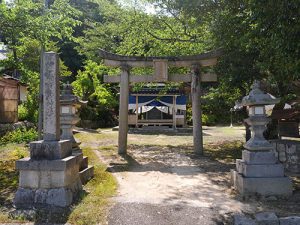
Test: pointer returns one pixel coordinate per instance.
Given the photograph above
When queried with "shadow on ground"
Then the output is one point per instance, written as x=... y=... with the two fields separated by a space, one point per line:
x=215 y=166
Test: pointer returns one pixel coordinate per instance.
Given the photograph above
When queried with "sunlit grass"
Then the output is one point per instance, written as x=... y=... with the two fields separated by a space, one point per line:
x=226 y=152
x=92 y=208
x=9 y=176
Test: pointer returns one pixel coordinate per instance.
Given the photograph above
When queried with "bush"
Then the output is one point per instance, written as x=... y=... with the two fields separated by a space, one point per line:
x=21 y=135
x=22 y=113
x=208 y=120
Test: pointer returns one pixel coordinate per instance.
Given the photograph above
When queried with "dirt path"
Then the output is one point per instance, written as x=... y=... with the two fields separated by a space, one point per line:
x=168 y=185
x=161 y=182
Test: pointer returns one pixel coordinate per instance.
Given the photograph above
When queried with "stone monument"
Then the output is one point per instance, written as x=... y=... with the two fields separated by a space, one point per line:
x=68 y=119
x=50 y=176
x=258 y=172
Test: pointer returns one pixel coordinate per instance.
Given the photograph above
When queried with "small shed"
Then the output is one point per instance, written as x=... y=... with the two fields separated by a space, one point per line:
x=12 y=92
x=288 y=122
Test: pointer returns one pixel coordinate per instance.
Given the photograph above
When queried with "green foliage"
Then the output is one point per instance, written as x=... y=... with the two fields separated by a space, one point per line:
x=89 y=85
x=259 y=41
x=21 y=135
x=101 y=99
x=22 y=112
x=26 y=28
x=216 y=104
x=209 y=120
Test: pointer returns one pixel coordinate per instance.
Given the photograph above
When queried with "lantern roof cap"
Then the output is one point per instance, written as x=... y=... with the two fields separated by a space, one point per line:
x=67 y=96
x=258 y=97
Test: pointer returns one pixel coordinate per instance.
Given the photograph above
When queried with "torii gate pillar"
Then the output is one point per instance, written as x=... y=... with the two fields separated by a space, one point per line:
x=196 y=110
x=123 y=111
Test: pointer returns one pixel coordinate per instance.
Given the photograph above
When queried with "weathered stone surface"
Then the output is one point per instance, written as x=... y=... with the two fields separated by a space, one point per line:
x=243 y=220
x=86 y=174
x=288 y=152
x=259 y=157
x=282 y=156
x=51 y=105
x=84 y=163
x=262 y=170
x=40 y=196
x=59 y=197
x=257 y=142
x=291 y=220
x=291 y=149
x=239 y=166
x=24 y=198
x=27 y=198
x=36 y=175
x=50 y=149
x=56 y=165
x=278 y=186
x=266 y=218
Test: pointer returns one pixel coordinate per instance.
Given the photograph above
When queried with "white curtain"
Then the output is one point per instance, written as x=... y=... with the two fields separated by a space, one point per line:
x=170 y=105
x=133 y=106
x=164 y=109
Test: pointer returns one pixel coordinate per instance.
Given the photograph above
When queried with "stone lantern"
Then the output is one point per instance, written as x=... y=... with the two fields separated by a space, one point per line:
x=68 y=114
x=258 y=172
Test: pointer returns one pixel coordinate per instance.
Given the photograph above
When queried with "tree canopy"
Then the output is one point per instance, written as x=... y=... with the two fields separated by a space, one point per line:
x=259 y=41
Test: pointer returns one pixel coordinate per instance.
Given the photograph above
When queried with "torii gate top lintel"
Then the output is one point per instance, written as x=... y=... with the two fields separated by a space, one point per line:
x=160 y=64
x=204 y=59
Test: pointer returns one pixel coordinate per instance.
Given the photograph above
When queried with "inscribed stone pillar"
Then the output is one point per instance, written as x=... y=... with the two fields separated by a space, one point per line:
x=123 y=111
x=51 y=104
x=196 y=108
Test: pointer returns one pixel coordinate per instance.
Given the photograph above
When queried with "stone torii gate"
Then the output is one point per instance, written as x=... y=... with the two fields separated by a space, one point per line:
x=160 y=65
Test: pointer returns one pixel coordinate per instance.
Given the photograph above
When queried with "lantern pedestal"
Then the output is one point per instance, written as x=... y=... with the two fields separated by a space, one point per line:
x=259 y=173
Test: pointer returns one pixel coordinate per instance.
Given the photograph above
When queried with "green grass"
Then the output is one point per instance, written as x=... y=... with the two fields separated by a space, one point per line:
x=9 y=176
x=226 y=152
x=93 y=205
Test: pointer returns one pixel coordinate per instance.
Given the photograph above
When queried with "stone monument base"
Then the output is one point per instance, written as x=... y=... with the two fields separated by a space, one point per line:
x=275 y=186
x=47 y=182
x=50 y=149
x=259 y=174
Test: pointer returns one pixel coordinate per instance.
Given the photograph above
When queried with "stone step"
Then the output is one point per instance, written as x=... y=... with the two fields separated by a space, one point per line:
x=84 y=163
x=86 y=174
x=79 y=157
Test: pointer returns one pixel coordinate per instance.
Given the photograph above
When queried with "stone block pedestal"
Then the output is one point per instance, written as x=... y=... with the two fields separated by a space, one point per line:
x=47 y=182
x=50 y=149
x=259 y=173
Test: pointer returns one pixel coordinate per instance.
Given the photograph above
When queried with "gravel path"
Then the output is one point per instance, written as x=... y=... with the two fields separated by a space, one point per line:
x=169 y=186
